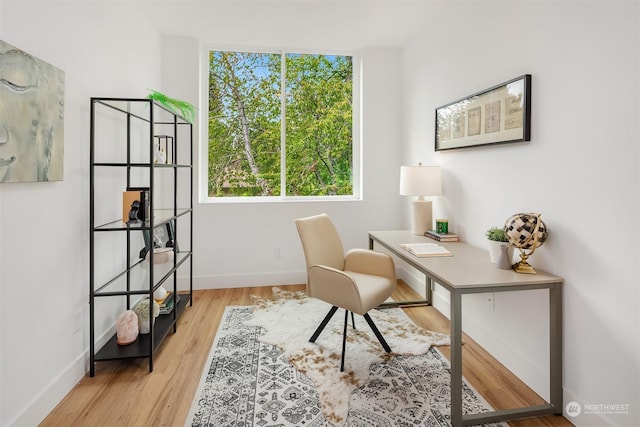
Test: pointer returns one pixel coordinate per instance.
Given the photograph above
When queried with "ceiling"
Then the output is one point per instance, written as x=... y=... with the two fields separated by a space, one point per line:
x=335 y=25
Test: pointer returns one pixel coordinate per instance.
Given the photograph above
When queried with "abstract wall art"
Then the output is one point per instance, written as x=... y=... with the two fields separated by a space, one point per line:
x=31 y=118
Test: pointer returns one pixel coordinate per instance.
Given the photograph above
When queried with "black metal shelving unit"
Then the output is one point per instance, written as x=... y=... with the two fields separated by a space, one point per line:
x=138 y=126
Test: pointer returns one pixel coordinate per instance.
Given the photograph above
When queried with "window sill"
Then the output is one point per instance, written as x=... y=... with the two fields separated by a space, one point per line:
x=277 y=199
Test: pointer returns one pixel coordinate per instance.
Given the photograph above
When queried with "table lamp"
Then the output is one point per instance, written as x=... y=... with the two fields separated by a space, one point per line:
x=420 y=181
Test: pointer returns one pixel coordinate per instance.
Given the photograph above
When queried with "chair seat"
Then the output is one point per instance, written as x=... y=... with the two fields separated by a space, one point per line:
x=373 y=290
x=355 y=291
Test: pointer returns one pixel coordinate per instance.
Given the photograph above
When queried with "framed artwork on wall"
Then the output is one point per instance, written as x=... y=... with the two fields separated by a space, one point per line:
x=496 y=115
x=31 y=117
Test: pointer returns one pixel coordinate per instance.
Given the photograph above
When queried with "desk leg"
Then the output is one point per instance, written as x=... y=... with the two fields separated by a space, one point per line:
x=456 y=358
x=555 y=347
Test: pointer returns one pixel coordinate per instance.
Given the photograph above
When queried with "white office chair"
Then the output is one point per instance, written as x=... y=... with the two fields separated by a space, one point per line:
x=358 y=281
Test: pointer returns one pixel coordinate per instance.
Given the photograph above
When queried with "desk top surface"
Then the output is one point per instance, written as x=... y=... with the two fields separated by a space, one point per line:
x=469 y=267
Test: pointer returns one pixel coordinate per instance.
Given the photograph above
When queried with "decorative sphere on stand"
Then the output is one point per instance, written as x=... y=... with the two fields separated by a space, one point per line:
x=525 y=231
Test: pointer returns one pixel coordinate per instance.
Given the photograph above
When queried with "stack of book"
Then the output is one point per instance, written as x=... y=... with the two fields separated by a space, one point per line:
x=441 y=237
x=167 y=304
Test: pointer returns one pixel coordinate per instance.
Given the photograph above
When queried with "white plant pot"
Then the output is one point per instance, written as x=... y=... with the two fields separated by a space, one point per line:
x=500 y=256
x=144 y=325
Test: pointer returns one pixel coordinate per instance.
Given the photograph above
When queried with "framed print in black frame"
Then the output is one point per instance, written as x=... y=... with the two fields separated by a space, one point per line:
x=164 y=236
x=496 y=115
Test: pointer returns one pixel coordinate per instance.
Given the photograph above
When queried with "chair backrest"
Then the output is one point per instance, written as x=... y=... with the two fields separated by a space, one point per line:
x=320 y=241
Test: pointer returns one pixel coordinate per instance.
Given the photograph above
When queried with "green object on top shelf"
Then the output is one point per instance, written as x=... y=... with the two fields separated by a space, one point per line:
x=184 y=108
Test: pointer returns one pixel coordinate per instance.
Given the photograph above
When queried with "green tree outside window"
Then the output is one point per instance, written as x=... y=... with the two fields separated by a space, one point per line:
x=246 y=116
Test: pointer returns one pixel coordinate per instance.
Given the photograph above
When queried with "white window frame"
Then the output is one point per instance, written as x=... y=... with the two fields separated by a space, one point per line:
x=203 y=174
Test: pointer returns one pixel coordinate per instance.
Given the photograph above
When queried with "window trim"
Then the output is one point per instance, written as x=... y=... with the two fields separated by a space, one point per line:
x=203 y=161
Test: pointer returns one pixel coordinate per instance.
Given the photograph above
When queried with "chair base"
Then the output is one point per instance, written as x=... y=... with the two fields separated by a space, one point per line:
x=366 y=316
x=377 y=333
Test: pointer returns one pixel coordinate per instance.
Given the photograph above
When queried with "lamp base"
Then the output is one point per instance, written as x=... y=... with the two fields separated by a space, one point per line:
x=421 y=217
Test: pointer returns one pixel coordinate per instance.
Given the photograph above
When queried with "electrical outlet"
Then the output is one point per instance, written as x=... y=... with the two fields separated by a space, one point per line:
x=277 y=253
x=491 y=301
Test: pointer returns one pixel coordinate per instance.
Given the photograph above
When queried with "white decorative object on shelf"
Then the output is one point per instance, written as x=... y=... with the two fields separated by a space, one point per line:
x=159 y=154
x=161 y=256
x=159 y=294
x=142 y=310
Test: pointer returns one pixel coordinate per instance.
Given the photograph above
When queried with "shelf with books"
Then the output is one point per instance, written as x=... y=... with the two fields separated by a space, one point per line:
x=140 y=348
x=141 y=220
x=168 y=303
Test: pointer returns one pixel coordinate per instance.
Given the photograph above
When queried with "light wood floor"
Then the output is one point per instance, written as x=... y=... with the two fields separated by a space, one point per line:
x=124 y=393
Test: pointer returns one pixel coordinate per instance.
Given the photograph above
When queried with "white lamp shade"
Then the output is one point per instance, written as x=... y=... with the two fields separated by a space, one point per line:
x=420 y=181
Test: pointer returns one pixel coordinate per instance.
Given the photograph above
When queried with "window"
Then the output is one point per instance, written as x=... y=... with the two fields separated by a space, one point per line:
x=263 y=144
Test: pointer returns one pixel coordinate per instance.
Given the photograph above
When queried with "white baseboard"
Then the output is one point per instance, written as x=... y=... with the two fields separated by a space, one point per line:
x=42 y=404
x=244 y=281
x=416 y=281
x=413 y=278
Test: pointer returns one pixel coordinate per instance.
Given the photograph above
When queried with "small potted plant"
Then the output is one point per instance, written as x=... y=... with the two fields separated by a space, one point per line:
x=497 y=241
x=142 y=311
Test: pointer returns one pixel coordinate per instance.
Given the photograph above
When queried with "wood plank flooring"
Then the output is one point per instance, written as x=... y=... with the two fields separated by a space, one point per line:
x=124 y=393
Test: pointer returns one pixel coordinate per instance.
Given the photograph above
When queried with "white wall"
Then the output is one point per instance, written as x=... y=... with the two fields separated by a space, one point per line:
x=581 y=55
x=580 y=170
x=1 y=280
x=105 y=50
x=116 y=49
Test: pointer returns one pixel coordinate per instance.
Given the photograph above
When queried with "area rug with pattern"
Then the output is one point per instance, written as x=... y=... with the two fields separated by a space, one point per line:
x=263 y=371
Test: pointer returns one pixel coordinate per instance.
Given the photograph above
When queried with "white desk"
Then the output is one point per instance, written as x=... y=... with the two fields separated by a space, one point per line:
x=470 y=271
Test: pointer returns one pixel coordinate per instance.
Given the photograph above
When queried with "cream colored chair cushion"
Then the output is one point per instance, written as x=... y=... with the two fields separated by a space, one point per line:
x=358 y=282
